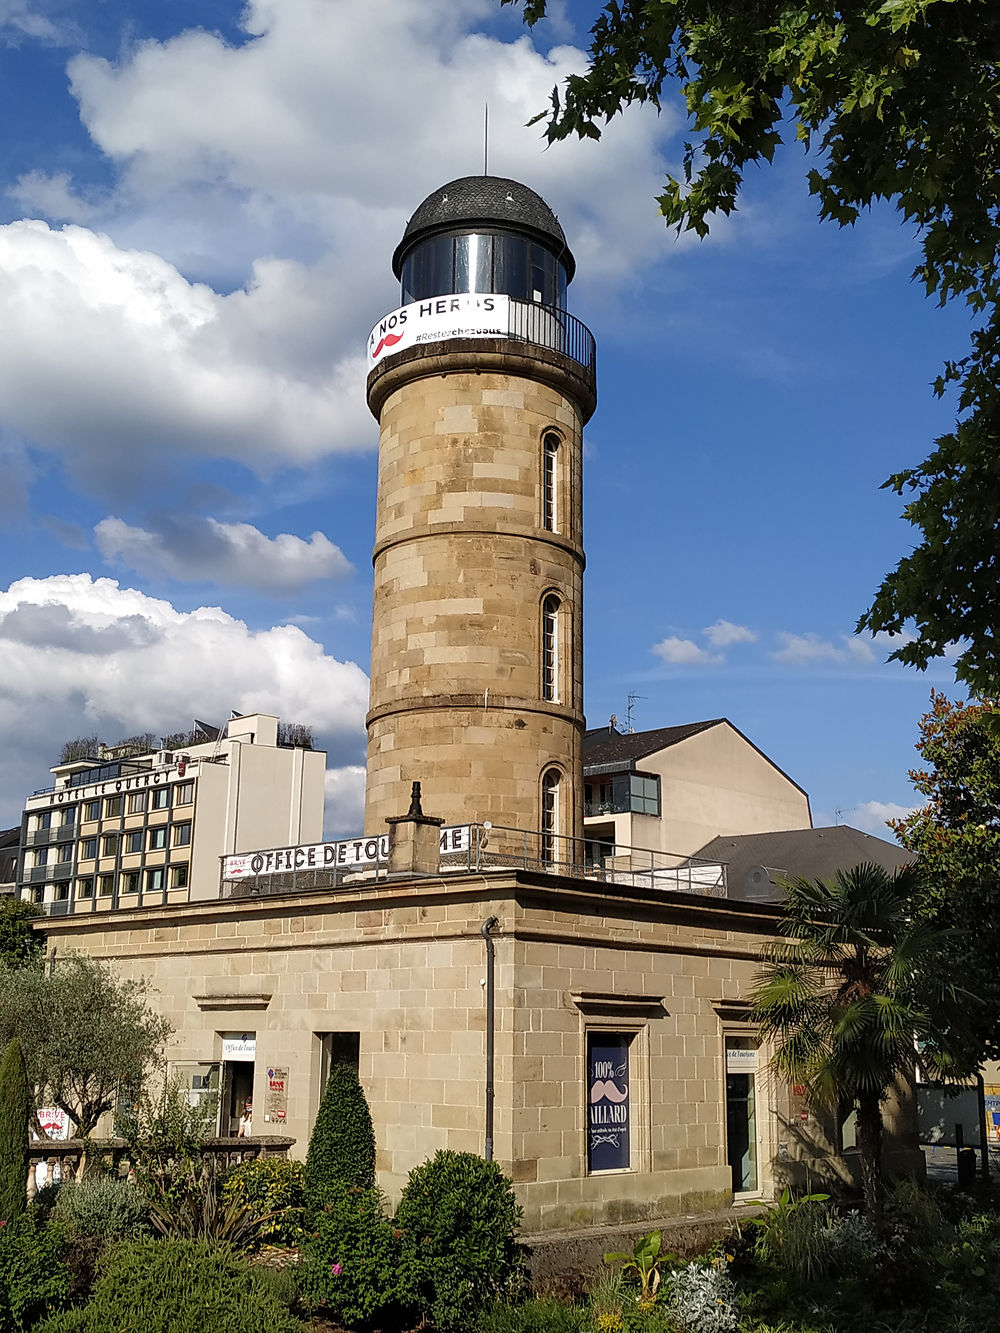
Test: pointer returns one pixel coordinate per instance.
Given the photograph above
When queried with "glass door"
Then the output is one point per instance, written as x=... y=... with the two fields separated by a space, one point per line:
x=742 y=1149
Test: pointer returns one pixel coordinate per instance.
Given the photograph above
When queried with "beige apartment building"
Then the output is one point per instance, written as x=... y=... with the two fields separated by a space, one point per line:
x=674 y=789
x=122 y=829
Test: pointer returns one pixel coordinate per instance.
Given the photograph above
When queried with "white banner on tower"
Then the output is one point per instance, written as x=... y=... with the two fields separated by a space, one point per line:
x=470 y=315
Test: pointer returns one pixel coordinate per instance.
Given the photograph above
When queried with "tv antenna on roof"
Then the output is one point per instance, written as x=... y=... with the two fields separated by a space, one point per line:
x=632 y=696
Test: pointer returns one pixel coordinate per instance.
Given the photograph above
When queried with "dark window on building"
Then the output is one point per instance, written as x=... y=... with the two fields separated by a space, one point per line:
x=44 y=820
x=39 y=894
x=109 y=844
x=184 y=793
x=137 y=803
x=161 y=798
x=550 y=648
x=92 y=810
x=130 y=882
x=105 y=885
x=182 y=835
x=88 y=849
x=337 y=1048
x=158 y=838
x=62 y=892
x=85 y=887
x=69 y=817
x=40 y=857
x=66 y=852
x=550 y=481
x=550 y=814
x=179 y=876
x=634 y=793
x=154 y=879
x=113 y=807
x=133 y=841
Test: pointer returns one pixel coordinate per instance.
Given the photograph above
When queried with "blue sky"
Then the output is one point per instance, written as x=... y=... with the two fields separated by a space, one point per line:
x=198 y=206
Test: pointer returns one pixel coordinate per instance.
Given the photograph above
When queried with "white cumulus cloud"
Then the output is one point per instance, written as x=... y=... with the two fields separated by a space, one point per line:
x=724 y=632
x=683 y=652
x=80 y=656
x=115 y=359
x=872 y=816
x=345 y=802
x=194 y=550
x=802 y=649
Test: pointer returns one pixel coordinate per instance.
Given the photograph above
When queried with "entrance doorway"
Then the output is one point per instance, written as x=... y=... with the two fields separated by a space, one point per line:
x=742 y=1129
x=238 y=1053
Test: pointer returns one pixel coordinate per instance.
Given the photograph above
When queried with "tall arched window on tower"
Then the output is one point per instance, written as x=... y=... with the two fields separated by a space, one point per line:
x=550 y=481
x=550 y=648
x=550 y=814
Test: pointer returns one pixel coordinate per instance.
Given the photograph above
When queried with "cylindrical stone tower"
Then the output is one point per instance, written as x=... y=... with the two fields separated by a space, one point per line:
x=481 y=383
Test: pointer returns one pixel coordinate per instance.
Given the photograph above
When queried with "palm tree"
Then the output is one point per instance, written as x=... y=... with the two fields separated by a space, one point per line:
x=855 y=995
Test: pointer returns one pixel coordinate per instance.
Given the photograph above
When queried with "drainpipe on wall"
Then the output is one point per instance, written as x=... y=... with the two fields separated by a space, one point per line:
x=485 y=929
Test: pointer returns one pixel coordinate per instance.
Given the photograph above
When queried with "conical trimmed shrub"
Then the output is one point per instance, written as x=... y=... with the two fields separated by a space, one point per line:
x=15 y=1110
x=342 y=1146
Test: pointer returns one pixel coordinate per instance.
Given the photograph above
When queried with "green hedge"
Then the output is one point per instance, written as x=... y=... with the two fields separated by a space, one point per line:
x=176 y=1286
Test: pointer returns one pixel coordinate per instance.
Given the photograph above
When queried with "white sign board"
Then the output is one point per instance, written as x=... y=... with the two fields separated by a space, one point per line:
x=54 y=1122
x=236 y=1047
x=739 y=1060
x=350 y=853
x=470 y=315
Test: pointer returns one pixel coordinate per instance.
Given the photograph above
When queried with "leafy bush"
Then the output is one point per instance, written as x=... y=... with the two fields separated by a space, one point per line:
x=33 y=1275
x=102 y=1206
x=342 y=1146
x=15 y=1108
x=273 y=1186
x=459 y=1216
x=176 y=1286
x=703 y=1299
x=352 y=1266
x=165 y=1135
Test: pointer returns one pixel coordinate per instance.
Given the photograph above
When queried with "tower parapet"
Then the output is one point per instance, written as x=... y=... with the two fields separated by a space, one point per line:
x=482 y=382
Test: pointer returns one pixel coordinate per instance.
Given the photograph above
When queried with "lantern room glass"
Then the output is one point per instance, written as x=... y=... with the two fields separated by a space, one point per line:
x=484 y=262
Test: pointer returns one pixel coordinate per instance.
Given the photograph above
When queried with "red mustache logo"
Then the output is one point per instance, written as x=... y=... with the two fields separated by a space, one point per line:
x=607 y=1089
x=390 y=340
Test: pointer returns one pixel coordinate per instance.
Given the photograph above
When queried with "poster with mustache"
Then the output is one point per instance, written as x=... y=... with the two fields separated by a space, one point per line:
x=608 y=1111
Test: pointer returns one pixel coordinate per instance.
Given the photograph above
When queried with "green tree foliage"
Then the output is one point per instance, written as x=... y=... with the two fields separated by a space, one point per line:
x=342 y=1146
x=894 y=100
x=956 y=834
x=84 y=1032
x=20 y=944
x=856 y=979
x=15 y=1110
x=34 y=1278
x=459 y=1220
x=176 y=1286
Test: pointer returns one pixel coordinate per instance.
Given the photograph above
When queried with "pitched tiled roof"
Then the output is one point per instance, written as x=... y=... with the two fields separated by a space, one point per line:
x=602 y=746
x=757 y=861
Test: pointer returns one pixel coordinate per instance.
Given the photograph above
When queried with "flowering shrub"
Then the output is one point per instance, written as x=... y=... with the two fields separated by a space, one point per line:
x=352 y=1263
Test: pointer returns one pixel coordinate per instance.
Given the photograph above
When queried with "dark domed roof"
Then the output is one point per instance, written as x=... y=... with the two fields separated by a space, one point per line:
x=485 y=201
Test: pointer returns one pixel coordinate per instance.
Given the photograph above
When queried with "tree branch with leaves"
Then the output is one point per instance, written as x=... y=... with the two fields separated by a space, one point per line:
x=892 y=100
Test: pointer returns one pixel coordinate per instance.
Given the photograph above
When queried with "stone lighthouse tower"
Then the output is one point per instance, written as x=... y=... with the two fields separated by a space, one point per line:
x=481 y=382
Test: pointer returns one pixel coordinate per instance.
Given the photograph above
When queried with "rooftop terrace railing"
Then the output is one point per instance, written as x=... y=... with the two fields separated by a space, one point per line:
x=490 y=847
